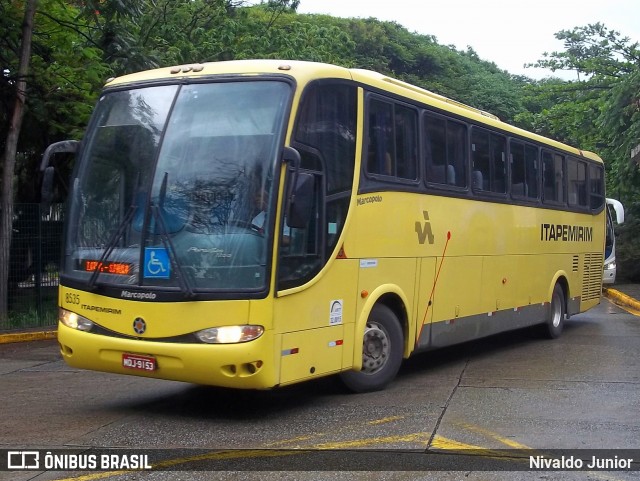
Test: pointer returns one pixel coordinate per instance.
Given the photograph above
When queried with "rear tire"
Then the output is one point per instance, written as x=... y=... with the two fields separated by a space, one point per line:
x=382 y=349
x=552 y=328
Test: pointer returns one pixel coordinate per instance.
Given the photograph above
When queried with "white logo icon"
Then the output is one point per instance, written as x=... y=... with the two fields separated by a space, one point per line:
x=23 y=460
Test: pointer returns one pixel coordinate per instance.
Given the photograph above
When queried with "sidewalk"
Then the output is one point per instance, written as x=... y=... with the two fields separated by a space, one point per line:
x=37 y=334
x=626 y=294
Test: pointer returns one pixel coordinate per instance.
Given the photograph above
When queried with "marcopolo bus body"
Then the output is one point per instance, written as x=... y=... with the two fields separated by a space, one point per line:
x=254 y=224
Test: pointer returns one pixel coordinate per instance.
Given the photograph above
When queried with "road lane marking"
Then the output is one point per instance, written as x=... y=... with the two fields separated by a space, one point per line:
x=359 y=443
x=285 y=442
x=390 y=419
x=490 y=434
x=437 y=443
x=375 y=422
x=440 y=442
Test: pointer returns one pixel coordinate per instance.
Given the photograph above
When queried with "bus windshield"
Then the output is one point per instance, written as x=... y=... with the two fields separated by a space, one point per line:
x=174 y=187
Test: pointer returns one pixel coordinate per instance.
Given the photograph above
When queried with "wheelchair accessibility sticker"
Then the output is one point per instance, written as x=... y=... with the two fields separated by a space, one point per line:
x=156 y=263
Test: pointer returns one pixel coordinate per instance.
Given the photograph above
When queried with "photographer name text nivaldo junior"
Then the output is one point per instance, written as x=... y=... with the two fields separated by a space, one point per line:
x=572 y=462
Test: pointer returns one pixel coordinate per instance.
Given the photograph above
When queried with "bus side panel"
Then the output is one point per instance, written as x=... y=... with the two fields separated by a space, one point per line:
x=506 y=286
x=500 y=283
x=306 y=354
x=378 y=277
x=457 y=291
x=425 y=288
x=317 y=322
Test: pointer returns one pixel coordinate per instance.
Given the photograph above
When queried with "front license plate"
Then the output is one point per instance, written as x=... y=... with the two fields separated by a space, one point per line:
x=139 y=362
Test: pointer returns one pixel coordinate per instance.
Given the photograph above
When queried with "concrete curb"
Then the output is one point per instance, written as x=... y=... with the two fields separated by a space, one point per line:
x=619 y=298
x=28 y=336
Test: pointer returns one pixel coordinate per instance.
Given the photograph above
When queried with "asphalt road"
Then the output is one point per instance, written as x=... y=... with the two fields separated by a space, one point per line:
x=512 y=391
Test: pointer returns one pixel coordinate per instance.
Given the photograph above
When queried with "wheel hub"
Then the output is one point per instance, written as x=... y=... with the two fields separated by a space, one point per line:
x=376 y=348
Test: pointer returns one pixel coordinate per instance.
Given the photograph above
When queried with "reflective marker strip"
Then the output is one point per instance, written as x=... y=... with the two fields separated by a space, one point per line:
x=336 y=343
x=287 y=352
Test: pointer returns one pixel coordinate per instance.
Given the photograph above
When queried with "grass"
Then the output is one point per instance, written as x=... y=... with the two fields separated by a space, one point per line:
x=30 y=318
x=24 y=312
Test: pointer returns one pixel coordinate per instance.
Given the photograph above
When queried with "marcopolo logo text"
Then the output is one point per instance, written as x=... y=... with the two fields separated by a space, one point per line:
x=137 y=295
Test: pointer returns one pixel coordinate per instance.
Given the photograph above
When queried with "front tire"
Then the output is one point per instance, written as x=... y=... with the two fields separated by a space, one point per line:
x=382 y=348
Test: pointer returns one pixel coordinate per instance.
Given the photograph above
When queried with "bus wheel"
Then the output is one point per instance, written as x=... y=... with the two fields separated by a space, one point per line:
x=382 y=347
x=555 y=322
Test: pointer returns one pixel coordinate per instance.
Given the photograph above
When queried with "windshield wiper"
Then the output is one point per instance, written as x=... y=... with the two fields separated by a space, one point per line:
x=122 y=227
x=185 y=286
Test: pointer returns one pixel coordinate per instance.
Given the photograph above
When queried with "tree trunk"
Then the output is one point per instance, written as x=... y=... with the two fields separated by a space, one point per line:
x=8 y=159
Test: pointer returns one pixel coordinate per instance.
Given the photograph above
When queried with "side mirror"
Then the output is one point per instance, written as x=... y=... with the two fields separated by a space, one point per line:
x=64 y=147
x=291 y=156
x=301 y=201
x=618 y=209
x=48 y=171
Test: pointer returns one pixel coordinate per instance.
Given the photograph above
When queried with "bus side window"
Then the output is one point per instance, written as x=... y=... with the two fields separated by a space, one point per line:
x=577 y=180
x=553 y=177
x=518 y=176
x=393 y=140
x=406 y=145
x=524 y=170
x=489 y=159
x=445 y=151
x=325 y=137
x=532 y=170
x=596 y=190
x=380 y=156
x=436 y=150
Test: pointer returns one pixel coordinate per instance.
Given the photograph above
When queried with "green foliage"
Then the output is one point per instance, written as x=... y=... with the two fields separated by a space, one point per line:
x=594 y=50
x=78 y=44
x=628 y=244
x=27 y=315
x=65 y=76
x=262 y=34
x=600 y=112
x=385 y=47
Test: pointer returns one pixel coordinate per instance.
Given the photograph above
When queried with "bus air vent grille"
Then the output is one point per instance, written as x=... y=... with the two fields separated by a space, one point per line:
x=592 y=276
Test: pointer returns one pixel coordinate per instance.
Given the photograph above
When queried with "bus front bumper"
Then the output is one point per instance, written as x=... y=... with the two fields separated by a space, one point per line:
x=248 y=365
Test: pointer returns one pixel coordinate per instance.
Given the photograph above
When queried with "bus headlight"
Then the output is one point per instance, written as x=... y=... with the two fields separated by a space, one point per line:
x=230 y=334
x=74 y=321
x=610 y=266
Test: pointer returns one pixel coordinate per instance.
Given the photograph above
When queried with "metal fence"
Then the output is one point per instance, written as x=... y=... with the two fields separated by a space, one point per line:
x=34 y=266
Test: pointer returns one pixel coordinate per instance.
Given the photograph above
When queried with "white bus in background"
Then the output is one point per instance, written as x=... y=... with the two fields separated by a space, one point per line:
x=609 y=275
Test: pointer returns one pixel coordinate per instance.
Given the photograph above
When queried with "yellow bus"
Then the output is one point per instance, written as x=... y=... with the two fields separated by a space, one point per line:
x=253 y=224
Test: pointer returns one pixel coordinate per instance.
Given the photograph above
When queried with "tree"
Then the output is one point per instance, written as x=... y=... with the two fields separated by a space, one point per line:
x=601 y=111
x=274 y=30
x=140 y=35
x=8 y=160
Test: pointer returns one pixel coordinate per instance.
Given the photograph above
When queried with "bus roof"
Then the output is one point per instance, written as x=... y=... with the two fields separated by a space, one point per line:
x=304 y=71
x=298 y=69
